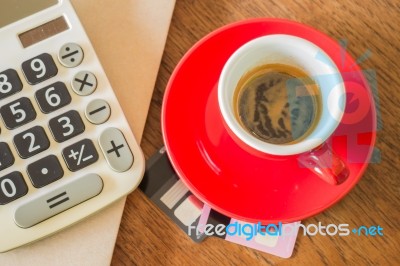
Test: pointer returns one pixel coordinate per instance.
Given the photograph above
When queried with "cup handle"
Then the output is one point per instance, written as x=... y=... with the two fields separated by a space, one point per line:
x=326 y=164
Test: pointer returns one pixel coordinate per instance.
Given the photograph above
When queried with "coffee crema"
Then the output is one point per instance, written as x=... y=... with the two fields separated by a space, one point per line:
x=277 y=103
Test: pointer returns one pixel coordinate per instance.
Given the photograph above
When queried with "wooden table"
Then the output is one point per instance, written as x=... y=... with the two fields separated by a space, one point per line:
x=148 y=237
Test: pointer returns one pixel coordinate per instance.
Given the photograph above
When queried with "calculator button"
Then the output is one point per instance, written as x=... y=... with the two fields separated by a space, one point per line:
x=12 y=187
x=116 y=150
x=80 y=155
x=39 y=68
x=17 y=113
x=66 y=126
x=45 y=171
x=98 y=111
x=53 y=97
x=31 y=142
x=67 y=196
x=10 y=83
x=84 y=83
x=6 y=157
x=70 y=55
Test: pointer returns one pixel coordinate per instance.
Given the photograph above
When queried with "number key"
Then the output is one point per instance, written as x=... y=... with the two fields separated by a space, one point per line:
x=12 y=186
x=66 y=126
x=17 y=113
x=53 y=97
x=39 y=68
x=31 y=142
x=9 y=83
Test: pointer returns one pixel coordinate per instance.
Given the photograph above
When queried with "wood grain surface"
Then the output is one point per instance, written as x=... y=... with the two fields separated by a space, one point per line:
x=148 y=237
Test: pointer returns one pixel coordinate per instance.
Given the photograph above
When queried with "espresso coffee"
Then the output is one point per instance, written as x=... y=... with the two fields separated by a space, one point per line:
x=277 y=103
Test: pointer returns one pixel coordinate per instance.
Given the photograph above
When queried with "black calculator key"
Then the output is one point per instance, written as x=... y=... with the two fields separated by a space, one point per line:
x=6 y=157
x=45 y=171
x=39 y=68
x=53 y=97
x=10 y=83
x=31 y=142
x=12 y=186
x=66 y=126
x=18 y=113
x=80 y=155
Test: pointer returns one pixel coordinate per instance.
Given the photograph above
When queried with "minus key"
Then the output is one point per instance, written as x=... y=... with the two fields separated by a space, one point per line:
x=97 y=111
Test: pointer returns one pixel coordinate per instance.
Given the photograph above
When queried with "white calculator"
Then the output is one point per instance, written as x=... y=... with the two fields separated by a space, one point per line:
x=66 y=149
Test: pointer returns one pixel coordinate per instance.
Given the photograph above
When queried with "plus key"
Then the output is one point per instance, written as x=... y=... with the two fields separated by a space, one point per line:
x=116 y=150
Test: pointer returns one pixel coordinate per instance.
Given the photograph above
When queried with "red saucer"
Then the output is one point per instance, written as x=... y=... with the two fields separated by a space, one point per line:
x=241 y=185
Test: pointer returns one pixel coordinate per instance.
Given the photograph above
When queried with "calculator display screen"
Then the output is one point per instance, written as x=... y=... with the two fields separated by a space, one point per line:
x=14 y=10
x=43 y=31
